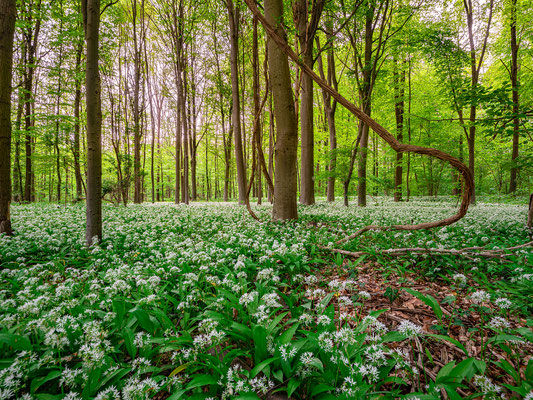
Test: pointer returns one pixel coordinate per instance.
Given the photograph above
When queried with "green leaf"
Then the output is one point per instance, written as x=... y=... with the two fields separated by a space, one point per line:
x=128 y=341
x=292 y=386
x=449 y=339
x=288 y=334
x=178 y=369
x=16 y=341
x=201 y=380
x=320 y=388
x=260 y=343
x=428 y=300
x=37 y=383
x=262 y=365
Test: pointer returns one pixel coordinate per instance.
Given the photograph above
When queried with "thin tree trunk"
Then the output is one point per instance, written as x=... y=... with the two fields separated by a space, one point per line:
x=234 y=16
x=17 y=170
x=365 y=94
x=77 y=106
x=30 y=48
x=8 y=13
x=399 y=105
x=91 y=18
x=516 y=101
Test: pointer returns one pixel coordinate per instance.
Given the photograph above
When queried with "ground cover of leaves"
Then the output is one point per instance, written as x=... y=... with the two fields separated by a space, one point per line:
x=204 y=302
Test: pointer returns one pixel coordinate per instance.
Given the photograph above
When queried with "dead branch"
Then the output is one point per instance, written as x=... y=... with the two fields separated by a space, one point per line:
x=382 y=132
x=466 y=252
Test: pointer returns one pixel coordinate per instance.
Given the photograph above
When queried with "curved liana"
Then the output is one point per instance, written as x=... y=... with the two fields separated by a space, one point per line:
x=468 y=181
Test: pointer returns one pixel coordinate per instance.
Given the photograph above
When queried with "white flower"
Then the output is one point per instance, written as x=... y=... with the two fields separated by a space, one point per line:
x=499 y=323
x=306 y=319
x=480 y=296
x=486 y=385
x=287 y=351
x=503 y=302
x=307 y=358
x=460 y=278
x=323 y=320
x=247 y=298
x=409 y=329
x=271 y=300
x=363 y=294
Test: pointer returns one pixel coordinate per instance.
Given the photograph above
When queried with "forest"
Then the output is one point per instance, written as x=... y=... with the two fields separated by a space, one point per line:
x=266 y=199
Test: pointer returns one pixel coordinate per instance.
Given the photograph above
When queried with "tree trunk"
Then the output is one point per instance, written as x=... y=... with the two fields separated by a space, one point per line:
x=365 y=94
x=330 y=107
x=234 y=16
x=182 y=99
x=516 y=103
x=285 y=186
x=399 y=105
x=17 y=170
x=475 y=66
x=8 y=13
x=91 y=17
x=137 y=195
x=530 y=213
x=30 y=48
x=77 y=106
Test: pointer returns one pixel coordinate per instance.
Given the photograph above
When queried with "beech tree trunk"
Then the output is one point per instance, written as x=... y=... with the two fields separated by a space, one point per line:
x=91 y=18
x=399 y=106
x=365 y=94
x=137 y=195
x=285 y=186
x=475 y=66
x=516 y=101
x=31 y=36
x=8 y=13
x=77 y=106
x=330 y=107
x=234 y=16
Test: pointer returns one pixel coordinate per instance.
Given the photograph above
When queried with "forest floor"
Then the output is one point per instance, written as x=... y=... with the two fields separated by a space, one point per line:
x=205 y=302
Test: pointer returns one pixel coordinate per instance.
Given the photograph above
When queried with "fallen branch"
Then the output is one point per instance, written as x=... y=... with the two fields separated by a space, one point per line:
x=381 y=131
x=466 y=252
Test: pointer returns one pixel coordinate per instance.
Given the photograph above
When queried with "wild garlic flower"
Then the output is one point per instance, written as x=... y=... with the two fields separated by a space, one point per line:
x=345 y=301
x=271 y=300
x=499 y=323
x=247 y=298
x=287 y=352
x=486 y=385
x=323 y=320
x=363 y=294
x=306 y=319
x=503 y=302
x=307 y=358
x=460 y=279
x=325 y=342
x=479 y=297
x=409 y=329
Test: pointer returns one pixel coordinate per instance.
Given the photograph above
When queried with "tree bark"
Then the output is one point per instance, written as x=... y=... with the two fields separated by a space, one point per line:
x=91 y=18
x=31 y=36
x=77 y=106
x=234 y=16
x=330 y=107
x=399 y=106
x=305 y=39
x=285 y=186
x=137 y=195
x=475 y=66
x=365 y=94
x=516 y=100
x=8 y=13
